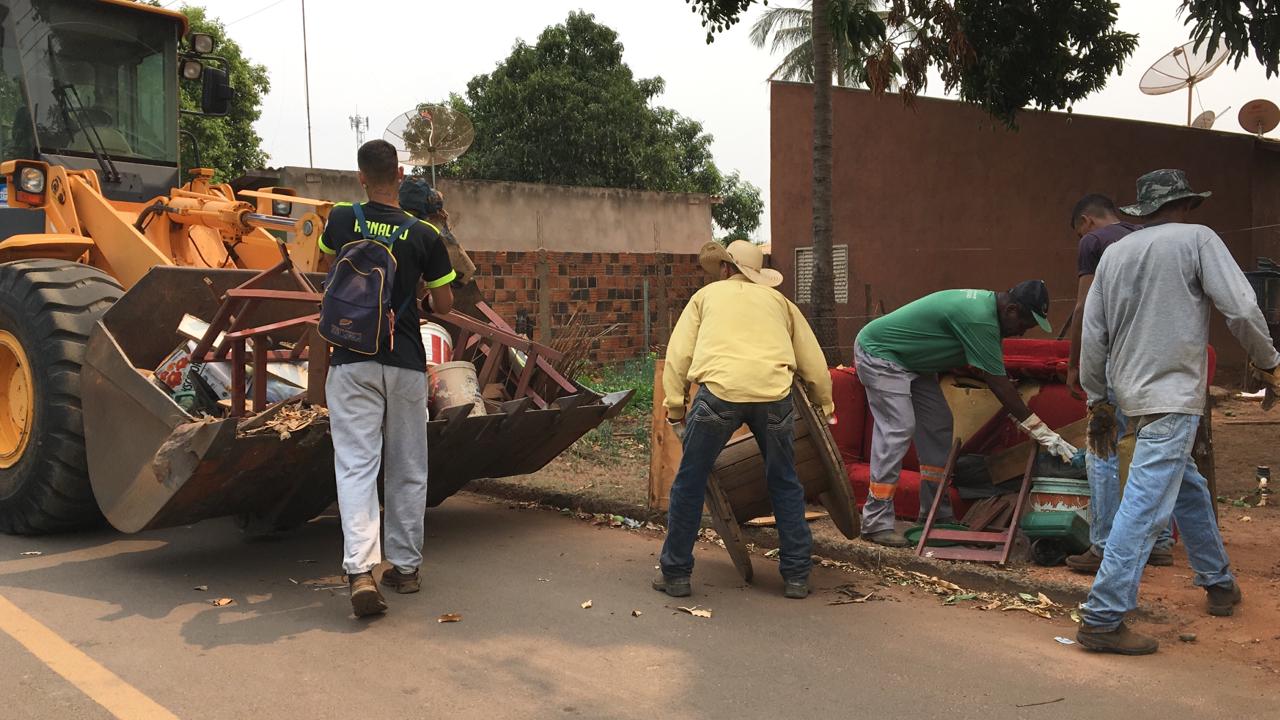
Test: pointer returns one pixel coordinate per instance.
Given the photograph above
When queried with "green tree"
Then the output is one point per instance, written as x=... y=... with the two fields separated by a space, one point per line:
x=738 y=214
x=229 y=145
x=856 y=27
x=567 y=110
x=1239 y=27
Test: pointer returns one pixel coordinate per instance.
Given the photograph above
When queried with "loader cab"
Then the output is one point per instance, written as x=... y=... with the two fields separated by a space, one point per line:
x=92 y=85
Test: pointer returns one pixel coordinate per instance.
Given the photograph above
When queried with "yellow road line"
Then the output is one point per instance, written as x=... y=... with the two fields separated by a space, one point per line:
x=101 y=685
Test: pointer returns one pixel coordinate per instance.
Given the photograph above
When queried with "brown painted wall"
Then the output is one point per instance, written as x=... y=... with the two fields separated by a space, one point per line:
x=527 y=216
x=940 y=196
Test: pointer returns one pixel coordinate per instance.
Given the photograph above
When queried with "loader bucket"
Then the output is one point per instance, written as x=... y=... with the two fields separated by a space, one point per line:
x=152 y=465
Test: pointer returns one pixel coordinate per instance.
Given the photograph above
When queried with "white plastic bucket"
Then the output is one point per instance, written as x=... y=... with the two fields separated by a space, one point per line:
x=438 y=342
x=454 y=384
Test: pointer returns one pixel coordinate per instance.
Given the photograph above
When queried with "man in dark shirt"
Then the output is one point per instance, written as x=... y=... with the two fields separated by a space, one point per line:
x=1097 y=223
x=378 y=403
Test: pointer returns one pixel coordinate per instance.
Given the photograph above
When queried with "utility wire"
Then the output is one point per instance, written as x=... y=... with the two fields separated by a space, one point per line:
x=255 y=12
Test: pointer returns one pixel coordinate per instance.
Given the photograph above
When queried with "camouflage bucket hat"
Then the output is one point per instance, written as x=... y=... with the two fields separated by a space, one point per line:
x=1159 y=187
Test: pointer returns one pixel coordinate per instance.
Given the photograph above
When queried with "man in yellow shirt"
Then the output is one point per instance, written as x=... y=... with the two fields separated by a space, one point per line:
x=743 y=343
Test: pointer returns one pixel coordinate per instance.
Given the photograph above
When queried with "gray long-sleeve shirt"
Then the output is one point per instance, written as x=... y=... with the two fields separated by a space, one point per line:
x=1146 y=319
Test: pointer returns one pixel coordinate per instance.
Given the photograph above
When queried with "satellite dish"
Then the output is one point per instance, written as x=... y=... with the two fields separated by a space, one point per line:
x=1259 y=117
x=1182 y=67
x=430 y=135
x=1206 y=119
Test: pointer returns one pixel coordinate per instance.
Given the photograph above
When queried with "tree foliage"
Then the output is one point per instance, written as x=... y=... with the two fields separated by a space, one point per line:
x=1003 y=56
x=857 y=27
x=229 y=145
x=1239 y=27
x=567 y=110
x=738 y=214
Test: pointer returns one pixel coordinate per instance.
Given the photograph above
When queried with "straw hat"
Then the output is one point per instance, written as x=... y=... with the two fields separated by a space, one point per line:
x=743 y=255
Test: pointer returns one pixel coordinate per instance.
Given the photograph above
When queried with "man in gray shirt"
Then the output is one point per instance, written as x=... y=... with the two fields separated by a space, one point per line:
x=1146 y=328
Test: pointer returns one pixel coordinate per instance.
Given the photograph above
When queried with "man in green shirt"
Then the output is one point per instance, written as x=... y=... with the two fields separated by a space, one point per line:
x=898 y=358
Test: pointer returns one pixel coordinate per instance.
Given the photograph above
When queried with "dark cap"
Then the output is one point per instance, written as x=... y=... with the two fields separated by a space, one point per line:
x=418 y=197
x=1034 y=296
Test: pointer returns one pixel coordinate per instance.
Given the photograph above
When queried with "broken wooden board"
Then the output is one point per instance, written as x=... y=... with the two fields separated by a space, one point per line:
x=1008 y=464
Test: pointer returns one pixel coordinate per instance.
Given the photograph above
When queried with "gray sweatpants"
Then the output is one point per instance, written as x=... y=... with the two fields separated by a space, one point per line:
x=378 y=418
x=905 y=406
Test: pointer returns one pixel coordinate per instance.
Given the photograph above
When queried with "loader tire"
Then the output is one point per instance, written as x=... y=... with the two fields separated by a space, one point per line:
x=47 y=309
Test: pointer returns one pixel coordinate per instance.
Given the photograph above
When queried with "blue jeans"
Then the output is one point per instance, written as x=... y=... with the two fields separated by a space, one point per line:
x=1104 y=488
x=1163 y=482
x=708 y=427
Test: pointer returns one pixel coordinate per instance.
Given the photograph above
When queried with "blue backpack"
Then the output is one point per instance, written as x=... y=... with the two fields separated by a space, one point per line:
x=356 y=311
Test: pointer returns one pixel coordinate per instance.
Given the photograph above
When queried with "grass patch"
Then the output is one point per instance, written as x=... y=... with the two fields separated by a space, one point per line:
x=629 y=432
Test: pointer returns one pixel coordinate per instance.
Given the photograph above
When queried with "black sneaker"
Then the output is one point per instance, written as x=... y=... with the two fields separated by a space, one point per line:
x=1223 y=599
x=795 y=589
x=673 y=586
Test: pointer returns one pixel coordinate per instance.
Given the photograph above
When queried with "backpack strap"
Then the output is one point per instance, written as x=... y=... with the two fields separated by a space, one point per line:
x=361 y=225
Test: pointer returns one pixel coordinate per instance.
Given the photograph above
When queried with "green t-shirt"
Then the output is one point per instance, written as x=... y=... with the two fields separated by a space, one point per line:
x=939 y=332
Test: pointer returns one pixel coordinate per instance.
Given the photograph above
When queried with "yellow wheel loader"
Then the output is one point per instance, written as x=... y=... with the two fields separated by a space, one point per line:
x=105 y=252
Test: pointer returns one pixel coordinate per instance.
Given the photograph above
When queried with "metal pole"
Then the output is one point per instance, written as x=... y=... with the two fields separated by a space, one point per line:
x=306 y=84
x=1190 y=89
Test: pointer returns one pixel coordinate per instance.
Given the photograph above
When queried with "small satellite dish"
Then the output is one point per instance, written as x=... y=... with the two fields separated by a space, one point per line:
x=1206 y=119
x=1259 y=117
x=1182 y=67
x=430 y=135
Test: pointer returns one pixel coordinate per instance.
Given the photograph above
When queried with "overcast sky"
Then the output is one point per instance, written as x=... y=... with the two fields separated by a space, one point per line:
x=381 y=57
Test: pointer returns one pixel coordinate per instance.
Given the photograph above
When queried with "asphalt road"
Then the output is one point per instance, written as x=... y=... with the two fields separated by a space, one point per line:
x=101 y=620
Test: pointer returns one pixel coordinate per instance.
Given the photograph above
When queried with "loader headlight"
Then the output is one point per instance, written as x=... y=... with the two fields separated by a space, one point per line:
x=201 y=43
x=31 y=180
x=281 y=207
x=192 y=69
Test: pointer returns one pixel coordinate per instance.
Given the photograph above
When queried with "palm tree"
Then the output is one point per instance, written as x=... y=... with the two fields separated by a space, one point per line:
x=858 y=29
x=823 y=307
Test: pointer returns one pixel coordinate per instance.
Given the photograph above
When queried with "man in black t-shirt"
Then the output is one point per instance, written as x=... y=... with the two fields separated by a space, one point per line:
x=1097 y=223
x=378 y=403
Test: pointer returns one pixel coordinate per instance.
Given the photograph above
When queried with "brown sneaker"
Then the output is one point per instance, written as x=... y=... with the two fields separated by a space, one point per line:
x=1223 y=599
x=1160 y=557
x=403 y=583
x=366 y=599
x=1086 y=562
x=1121 y=641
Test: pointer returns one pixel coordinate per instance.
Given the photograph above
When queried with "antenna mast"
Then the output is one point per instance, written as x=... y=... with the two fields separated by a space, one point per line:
x=359 y=123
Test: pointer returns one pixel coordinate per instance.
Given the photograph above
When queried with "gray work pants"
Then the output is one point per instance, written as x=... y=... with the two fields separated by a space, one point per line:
x=378 y=419
x=904 y=406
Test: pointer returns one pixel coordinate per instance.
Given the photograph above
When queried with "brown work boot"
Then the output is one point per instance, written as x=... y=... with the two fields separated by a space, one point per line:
x=366 y=599
x=1223 y=599
x=887 y=538
x=1160 y=557
x=1086 y=562
x=403 y=583
x=1121 y=641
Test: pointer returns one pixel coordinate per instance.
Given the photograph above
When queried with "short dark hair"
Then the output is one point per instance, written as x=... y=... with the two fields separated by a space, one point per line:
x=378 y=161
x=1093 y=205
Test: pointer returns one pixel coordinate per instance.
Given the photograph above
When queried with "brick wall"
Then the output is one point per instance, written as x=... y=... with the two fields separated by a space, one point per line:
x=606 y=289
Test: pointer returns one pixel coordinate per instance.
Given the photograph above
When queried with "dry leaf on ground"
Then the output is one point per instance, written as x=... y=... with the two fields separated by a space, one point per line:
x=201 y=588
x=636 y=613
x=695 y=611
x=31 y=553
x=221 y=602
x=586 y=605
x=449 y=617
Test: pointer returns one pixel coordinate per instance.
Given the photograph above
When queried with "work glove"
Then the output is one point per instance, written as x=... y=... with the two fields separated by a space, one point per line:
x=1047 y=438
x=1270 y=380
x=1102 y=429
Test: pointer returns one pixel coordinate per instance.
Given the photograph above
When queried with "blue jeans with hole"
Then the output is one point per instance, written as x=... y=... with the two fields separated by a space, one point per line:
x=1104 y=489
x=1163 y=482
x=708 y=427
